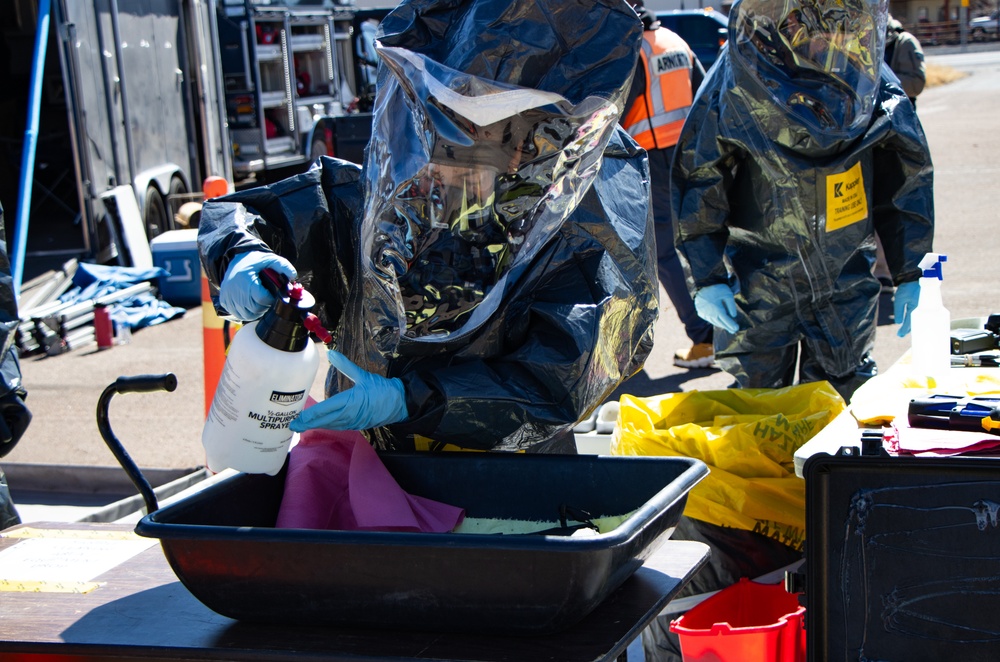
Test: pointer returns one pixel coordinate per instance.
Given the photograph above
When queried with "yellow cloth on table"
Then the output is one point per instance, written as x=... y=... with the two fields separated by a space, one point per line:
x=747 y=437
x=884 y=397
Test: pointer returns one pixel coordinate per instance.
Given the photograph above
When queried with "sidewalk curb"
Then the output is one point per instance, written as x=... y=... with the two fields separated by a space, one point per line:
x=83 y=479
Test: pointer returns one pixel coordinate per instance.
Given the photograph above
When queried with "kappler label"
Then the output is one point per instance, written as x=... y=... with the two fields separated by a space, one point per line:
x=282 y=398
x=846 y=202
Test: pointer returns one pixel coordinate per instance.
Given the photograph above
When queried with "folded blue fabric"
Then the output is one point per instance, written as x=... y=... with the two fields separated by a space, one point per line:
x=92 y=281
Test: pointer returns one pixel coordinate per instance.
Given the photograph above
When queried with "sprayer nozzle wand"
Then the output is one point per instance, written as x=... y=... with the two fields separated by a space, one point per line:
x=312 y=323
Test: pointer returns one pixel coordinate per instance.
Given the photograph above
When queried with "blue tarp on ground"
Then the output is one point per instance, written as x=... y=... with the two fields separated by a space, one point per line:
x=92 y=281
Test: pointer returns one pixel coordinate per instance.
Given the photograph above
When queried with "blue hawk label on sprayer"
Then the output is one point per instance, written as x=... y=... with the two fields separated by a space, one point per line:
x=930 y=351
x=270 y=366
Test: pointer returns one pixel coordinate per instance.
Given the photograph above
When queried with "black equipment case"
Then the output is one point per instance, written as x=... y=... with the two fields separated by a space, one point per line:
x=902 y=558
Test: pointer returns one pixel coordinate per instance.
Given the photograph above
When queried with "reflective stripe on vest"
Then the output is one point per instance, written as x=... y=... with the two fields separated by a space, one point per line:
x=656 y=117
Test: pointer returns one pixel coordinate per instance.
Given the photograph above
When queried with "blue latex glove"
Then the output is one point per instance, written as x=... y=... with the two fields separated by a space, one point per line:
x=716 y=305
x=242 y=293
x=903 y=303
x=373 y=401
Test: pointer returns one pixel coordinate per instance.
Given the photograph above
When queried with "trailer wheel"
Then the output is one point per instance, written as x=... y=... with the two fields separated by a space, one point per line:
x=177 y=187
x=318 y=149
x=154 y=213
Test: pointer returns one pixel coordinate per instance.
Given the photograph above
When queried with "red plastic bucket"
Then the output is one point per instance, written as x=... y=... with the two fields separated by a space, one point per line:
x=745 y=622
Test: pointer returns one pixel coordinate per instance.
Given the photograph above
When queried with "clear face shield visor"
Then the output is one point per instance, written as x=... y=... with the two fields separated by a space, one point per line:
x=457 y=198
x=469 y=177
x=832 y=39
x=818 y=59
x=457 y=247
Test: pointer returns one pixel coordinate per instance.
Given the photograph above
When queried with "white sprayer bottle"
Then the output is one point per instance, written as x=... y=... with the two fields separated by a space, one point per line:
x=269 y=369
x=930 y=351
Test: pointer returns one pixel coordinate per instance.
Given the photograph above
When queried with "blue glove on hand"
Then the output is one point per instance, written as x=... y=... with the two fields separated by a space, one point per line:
x=716 y=305
x=373 y=401
x=242 y=293
x=903 y=304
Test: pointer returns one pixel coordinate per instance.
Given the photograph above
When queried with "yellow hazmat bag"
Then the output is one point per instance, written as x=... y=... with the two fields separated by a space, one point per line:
x=747 y=437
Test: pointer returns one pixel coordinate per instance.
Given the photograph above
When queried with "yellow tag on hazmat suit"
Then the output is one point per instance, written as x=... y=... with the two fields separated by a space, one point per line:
x=846 y=202
x=747 y=437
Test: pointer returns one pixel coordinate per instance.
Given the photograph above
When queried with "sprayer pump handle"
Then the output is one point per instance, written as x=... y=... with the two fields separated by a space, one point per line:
x=276 y=282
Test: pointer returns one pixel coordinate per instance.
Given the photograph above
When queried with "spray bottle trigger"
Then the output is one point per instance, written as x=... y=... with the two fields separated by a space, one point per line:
x=930 y=265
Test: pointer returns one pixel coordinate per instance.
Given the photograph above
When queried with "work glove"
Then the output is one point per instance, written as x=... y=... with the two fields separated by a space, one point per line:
x=242 y=293
x=903 y=303
x=14 y=419
x=716 y=305
x=372 y=402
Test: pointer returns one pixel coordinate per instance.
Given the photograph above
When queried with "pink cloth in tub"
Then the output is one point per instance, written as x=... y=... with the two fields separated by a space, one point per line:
x=336 y=481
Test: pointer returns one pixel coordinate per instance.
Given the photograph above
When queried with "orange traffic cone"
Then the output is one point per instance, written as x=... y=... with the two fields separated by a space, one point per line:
x=213 y=187
x=215 y=339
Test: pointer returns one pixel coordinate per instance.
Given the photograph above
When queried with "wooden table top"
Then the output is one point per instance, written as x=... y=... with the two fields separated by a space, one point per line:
x=139 y=610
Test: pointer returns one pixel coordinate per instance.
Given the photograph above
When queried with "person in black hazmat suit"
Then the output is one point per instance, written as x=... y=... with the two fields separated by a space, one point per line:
x=800 y=146
x=489 y=274
x=14 y=415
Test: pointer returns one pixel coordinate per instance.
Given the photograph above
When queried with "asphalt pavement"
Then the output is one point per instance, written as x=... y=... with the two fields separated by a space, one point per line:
x=161 y=431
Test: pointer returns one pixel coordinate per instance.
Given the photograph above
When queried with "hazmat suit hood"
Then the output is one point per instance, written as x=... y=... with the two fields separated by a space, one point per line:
x=483 y=143
x=811 y=65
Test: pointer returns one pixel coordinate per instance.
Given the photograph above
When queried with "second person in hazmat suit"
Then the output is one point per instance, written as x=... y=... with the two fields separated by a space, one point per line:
x=800 y=147
x=489 y=274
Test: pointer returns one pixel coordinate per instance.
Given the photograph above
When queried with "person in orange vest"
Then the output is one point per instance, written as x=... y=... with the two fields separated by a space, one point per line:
x=666 y=78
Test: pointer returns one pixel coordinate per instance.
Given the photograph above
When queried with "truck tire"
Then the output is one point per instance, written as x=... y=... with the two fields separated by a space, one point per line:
x=177 y=187
x=154 y=213
x=173 y=202
x=317 y=150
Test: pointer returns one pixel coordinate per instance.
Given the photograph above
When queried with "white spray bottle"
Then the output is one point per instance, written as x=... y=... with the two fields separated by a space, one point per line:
x=270 y=367
x=930 y=351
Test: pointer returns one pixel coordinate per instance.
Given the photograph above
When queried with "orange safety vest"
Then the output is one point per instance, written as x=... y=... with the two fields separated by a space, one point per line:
x=657 y=115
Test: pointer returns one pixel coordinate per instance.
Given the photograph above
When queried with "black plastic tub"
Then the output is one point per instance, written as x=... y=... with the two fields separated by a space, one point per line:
x=221 y=544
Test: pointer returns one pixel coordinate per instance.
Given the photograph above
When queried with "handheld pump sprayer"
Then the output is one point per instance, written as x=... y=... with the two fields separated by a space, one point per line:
x=270 y=367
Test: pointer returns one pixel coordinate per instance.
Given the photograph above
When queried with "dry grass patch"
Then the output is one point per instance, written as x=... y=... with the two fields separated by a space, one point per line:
x=938 y=75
